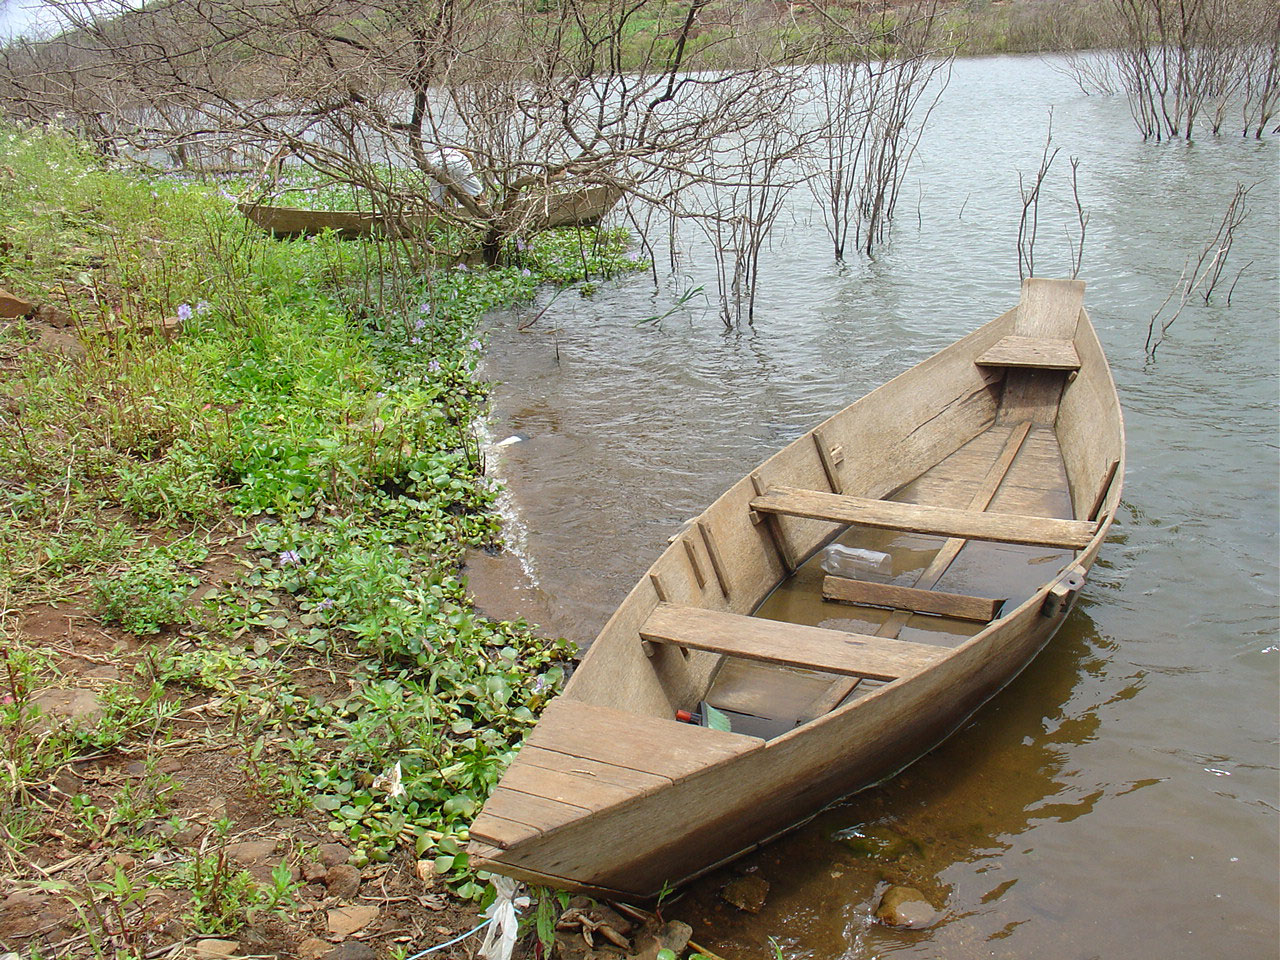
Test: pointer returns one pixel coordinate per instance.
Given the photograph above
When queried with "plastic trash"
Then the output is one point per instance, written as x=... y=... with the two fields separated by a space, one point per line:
x=500 y=940
x=841 y=561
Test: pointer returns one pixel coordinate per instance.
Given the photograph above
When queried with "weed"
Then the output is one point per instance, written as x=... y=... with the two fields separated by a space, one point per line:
x=148 y=594
x=322 y=394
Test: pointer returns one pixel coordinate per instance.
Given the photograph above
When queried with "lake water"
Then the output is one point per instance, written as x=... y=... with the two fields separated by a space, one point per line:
x=1120 y=798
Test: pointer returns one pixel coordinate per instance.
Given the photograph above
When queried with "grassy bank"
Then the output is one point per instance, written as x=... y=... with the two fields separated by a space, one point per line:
x=241 y=683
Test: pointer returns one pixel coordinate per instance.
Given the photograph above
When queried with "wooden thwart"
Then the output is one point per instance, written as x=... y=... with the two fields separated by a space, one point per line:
x=919 y=518
x=790 y=644
x=943 y=559
x=1031 y=352
x=867 y=593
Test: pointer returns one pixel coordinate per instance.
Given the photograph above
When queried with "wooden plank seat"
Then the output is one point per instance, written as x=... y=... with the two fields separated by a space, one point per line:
x=790 y=644
x=1031 y=352
x=921 y=518
x=868 y=593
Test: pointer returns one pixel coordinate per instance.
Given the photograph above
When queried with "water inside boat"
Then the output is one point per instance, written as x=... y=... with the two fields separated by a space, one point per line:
x=767 y=700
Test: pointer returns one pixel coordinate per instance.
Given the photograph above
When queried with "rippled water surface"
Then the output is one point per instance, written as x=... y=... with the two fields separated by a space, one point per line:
x=1120 y=798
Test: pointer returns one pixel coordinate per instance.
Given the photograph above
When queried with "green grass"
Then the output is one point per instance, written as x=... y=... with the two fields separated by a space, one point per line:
x=314 y=419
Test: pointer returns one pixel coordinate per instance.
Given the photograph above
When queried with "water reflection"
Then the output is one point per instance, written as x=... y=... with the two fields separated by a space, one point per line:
x=966 y=803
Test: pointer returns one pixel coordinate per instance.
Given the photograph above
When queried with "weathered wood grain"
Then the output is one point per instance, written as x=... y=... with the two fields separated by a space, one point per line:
x=869 y=593
x=1049 y=309
x=918 y=518
x=727 y=794
x=664 y=747
x=636 y=781
x=1031 y=352
x=789 y=644
x=942 y=560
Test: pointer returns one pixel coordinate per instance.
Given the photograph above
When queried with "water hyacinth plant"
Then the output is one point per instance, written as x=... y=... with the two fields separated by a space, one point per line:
x=267 y=511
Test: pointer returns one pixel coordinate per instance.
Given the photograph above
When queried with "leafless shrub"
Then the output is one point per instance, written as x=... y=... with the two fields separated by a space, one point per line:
x=874 y=92
x=1203 y=276
x=1029 y=221
x=1181 y=61
x=372 y=92
x=755 y=173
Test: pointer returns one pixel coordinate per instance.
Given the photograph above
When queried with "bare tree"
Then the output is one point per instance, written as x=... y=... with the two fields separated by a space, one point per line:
x=381 y=93
x=1029 y=221
x=1181 y=61
x=753 y=175
x=879 y=80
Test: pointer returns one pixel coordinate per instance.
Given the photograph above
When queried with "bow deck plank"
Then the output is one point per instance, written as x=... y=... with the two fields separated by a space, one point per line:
x=647 y=744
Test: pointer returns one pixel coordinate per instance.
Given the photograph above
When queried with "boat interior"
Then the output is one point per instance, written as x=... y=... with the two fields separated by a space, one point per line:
x=984 y=502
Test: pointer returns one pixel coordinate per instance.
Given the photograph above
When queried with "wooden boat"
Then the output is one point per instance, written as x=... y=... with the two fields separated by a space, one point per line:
x=348 y=224
x=583 y=206
x=989 y=473
x=580 y=207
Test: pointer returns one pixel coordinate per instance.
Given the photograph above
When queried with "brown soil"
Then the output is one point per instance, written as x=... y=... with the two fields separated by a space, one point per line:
x=198 y=761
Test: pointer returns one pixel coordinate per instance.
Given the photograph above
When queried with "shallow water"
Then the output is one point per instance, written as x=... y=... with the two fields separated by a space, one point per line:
x=1120 y=798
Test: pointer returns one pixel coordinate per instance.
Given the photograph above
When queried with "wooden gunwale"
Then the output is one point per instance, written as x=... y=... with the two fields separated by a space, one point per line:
x=628 y=849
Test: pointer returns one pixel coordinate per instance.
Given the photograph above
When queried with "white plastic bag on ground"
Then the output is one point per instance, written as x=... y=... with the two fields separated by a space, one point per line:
x=500 y=938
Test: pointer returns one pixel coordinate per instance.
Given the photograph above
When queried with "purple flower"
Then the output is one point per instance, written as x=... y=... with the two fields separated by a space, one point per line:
x=475 y=344
x=526 y=272
x=381 y=395
x=184 y=311
x=521 y=246
x=326 y=604
x=415 y=341
x=290 y=558
x=424 y=308
x=202 y=306
x=434 y=366
x=461 y=266
x=420 y=324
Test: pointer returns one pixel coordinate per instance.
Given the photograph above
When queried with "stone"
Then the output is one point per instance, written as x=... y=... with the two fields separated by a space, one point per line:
x=13 y=306
x=256 y=856
x=77 y=705
x=313 y=948
x=333 y=853
x=24 y=912
x=344 y=921
x=746 y=893
x=313 y=870
x=68 y=782
x=906 y=908
x=352 y=950
x=673 y=936
x=250 y=852
x=342 y=881
x=213 y=949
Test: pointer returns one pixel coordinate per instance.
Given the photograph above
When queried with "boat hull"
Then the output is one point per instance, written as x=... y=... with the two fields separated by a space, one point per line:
x=748 y=789
x=583 y=207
